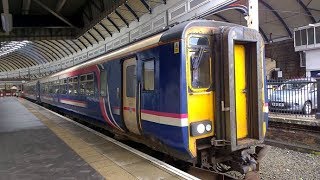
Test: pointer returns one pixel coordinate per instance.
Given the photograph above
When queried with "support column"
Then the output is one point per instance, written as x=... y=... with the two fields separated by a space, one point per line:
x=318 y=98
x=253 y=16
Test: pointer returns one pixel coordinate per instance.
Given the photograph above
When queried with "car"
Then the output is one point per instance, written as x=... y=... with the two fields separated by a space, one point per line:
x=296 y=95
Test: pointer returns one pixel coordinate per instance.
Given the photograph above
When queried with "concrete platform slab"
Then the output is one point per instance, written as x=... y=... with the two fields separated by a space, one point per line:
x=96 y=155
x=29 y=150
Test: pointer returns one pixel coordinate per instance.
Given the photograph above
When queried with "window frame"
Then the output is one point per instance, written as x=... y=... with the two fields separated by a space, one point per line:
x=134 y=88
x=189 y=72
x=154 y=75
x=86 y=81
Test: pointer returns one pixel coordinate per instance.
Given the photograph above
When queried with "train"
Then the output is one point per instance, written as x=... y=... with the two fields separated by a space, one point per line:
x=195 y=91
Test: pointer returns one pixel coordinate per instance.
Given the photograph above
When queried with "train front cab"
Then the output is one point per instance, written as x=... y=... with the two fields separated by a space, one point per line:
x=226 y=102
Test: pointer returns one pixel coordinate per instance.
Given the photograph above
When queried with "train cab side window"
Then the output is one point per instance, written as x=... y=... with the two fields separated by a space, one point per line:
x=200 y=62
x=148 y=75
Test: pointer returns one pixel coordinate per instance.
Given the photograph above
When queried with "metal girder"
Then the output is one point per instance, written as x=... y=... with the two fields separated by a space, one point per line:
x=100 y=8
x=13 y=60
x=54 y=13
x=60 y=5
x=58 y=53
x=132 y=11
x=96 y=39
x=34 y=56
x=87 y=40
x=307 y=11
x=94 y=28
x=63 y=46
x=69 y=44
x=122 y=18
x=43 y=52
x=6 y=66
x=114 y=24
x=27 y=59
x=10 y=63
x=2 y=69
x=82 y=43
x=54 y=54
x=88 y=16
x=73 y=41
x=277 y=15
x=109 y=7
x=105 y=28
x=25 y=6
x=57 y=48
x=146 y=5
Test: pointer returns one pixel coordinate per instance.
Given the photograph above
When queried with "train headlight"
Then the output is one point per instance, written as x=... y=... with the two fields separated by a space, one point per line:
x=200 y=128
x=208 y=127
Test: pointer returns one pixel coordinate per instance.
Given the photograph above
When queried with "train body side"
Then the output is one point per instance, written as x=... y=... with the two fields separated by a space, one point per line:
x=163 y=110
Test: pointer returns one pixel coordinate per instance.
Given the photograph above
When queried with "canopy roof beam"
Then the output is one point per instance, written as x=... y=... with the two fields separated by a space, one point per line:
x=146 y=5
x=105 y=28
x=54 y=13
x=114 y=24
x=312 y=19
x=122 y=18
x=277 y=15
x=132 y=11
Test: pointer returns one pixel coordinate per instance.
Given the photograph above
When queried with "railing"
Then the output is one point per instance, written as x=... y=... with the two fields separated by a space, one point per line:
x=292 y=97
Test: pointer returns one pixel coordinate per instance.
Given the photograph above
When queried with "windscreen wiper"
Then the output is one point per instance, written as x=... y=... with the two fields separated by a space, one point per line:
x=197 y=60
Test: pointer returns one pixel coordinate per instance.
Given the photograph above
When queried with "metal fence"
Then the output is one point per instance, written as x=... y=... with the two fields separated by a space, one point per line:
x=297 y=97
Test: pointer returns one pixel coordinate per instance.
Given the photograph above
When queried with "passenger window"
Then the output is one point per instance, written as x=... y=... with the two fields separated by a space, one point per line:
x=87 y=85
x=148 y=75
x=131 y=81
x=73 y=85
x=50 y=87
x=63 y=86
x=56 y=88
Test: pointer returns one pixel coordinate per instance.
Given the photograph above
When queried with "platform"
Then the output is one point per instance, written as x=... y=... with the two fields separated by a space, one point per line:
x=292 y=119
x=37 y=143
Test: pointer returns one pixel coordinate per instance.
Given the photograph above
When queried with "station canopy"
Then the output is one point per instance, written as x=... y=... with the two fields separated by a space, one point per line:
x=49 y=30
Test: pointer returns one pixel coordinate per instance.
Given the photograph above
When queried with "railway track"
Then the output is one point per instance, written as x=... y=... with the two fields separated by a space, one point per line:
x=294 y=136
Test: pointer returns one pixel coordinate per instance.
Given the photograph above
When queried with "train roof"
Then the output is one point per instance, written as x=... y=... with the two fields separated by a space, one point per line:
x=171 y=33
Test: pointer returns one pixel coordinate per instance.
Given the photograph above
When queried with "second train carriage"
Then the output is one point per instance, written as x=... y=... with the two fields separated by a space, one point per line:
x=194 y=91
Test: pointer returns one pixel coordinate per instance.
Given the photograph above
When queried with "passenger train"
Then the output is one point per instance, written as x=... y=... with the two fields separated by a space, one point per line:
x=194 y=91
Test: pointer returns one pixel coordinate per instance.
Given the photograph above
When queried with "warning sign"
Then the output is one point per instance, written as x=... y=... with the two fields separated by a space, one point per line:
x=176 y=47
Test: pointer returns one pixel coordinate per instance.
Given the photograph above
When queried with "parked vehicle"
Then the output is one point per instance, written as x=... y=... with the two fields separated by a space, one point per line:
x=297 y=95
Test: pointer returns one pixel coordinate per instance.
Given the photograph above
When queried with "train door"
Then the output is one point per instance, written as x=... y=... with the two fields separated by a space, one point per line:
x=241 y=91
x=129 y=95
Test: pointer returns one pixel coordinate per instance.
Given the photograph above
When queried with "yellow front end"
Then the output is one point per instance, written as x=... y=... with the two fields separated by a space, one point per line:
x=199 y=81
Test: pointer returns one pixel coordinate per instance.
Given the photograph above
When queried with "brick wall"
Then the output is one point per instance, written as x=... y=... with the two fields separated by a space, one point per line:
x=286 y=58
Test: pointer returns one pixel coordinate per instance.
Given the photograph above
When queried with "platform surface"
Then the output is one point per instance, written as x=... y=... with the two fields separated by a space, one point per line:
x=294 y=119
x=29 y=150
x=37 y=144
